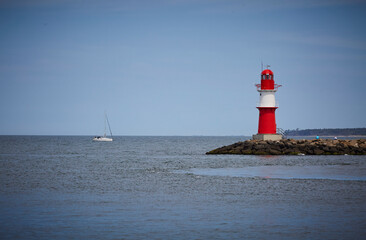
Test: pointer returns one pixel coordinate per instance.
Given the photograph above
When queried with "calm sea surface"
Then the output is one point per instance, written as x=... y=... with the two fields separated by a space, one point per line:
x=56 y=187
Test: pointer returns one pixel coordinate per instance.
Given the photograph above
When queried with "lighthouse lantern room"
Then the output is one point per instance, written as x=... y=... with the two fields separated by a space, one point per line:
x=267 y=128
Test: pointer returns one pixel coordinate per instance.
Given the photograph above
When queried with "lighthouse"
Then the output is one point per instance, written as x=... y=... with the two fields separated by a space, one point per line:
x=267 y=128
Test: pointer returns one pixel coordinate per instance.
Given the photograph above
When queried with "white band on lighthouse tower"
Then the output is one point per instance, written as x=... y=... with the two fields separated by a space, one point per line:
x=267 y=99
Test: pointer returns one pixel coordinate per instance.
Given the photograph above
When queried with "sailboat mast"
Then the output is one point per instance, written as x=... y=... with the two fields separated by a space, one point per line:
x=105 y=124
x=109 y=126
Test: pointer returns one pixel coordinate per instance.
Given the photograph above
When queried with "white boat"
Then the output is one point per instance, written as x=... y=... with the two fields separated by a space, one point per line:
x=104 y=138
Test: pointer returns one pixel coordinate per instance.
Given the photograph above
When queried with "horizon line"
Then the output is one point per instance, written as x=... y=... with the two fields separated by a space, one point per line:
x=87 y=135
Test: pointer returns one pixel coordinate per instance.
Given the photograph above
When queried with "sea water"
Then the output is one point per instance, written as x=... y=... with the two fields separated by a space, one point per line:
x=59 y=187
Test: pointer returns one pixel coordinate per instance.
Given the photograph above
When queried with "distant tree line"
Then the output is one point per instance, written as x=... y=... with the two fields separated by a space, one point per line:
x=327 y=132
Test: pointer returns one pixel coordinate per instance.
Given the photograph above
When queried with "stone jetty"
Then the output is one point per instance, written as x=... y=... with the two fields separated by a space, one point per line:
x=295 y=147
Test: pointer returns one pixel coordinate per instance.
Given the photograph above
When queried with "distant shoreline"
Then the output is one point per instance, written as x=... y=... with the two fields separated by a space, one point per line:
x=326 y=132
x=327 y=136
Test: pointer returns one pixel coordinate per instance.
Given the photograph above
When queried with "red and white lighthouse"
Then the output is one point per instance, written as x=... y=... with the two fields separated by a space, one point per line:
x=267 y=128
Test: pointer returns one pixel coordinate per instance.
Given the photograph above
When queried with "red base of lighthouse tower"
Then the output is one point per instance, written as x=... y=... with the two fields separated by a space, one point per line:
x=267 y=120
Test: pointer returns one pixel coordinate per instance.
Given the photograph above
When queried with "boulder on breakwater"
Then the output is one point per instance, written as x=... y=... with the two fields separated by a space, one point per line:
x=295 y=147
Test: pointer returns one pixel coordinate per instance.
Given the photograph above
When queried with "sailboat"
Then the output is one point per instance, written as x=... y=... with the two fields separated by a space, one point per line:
x=104 y=138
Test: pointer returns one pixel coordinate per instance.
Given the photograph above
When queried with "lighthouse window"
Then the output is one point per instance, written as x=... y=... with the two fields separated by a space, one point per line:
x=270 y=77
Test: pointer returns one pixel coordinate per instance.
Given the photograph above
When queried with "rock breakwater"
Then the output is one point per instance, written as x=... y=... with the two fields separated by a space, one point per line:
x=295 y=147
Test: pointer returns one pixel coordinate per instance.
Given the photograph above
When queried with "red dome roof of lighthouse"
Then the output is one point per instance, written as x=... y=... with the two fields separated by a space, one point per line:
x=267 y=72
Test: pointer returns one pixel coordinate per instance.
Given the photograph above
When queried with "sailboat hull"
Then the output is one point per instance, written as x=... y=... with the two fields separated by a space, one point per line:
x=102 y=139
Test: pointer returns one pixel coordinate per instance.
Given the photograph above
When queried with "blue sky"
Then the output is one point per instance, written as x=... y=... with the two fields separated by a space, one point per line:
x=179 y=67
